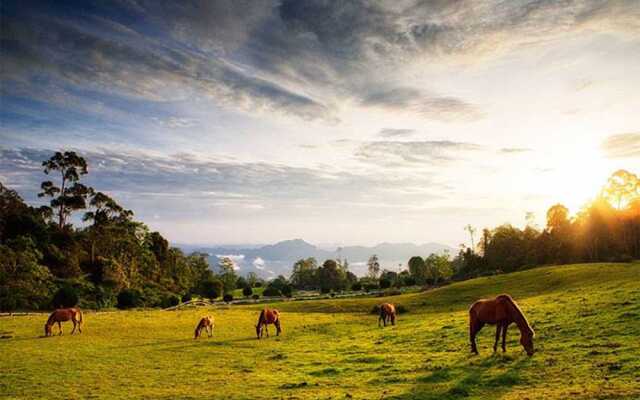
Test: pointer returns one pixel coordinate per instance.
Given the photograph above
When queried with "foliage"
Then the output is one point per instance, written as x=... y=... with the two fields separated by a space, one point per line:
x=129 y=298
x=65 y=297
x=373 y=267
x=385 y=283
x=247 y=291
x=211 y=289
x=271 y=291
x=227 y=298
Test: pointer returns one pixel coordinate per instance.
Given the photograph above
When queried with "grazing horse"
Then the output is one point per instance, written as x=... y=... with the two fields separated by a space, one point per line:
x=502 y=312
x=205 y=323
x=267 y=317
x=62 y=315
x=387 y=314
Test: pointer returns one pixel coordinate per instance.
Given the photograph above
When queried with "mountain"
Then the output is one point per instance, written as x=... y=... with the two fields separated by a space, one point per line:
x=277 y=259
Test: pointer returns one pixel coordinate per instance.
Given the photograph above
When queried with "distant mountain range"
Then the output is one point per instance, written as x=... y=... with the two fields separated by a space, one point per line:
x=277 y=259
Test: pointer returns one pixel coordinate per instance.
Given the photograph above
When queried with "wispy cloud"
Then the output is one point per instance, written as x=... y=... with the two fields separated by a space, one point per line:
x=514 y=150
x=624 y=145
x=435 y=152
x=395 y=133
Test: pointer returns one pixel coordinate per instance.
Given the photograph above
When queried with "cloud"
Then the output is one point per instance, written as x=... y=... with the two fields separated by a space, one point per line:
x=514 y=150
x=407 y=99
x=624 y=145
x=394 y=133
x=413 y=152
x=259 y=263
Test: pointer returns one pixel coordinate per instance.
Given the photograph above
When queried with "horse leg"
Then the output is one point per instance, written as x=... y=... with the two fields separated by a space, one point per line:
x=498 y=329
x=60 y=328
x=504 y=338
x=278 y=328
x=266 y=328
x=210 y=331
x=474 y=328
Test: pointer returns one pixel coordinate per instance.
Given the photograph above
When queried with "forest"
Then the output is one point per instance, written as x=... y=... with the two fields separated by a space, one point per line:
x=110 y=259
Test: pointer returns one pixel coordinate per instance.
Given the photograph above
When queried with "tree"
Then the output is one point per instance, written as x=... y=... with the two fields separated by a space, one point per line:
x=252 y=278
x=71 y=195
x=471 y=231
x=331 y=276
x=247 y=291
x=621 y=189
x=303 y=274
x=438 y=267
x=228 y=274
x=373 y=266
x=211 y=289
x=418 y=269
x=557 y=217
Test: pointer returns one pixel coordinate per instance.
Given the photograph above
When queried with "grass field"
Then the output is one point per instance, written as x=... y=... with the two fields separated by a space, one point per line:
x=586 y=318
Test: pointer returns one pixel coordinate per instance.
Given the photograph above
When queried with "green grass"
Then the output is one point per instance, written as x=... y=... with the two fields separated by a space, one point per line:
x=586 y=317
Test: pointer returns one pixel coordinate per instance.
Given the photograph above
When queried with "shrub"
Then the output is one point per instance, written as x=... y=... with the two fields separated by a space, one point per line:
x=257 y=284
x=385 y=283
x=409 y=281
x=8 y=300
x=255 y=296
x=271 y=292
x=357 y=286
x=370 y=286
x=211 y=289
x=187 y=296
x=129 y=298
x=287 y=291
x=333 y=294
x=624 y=258
x=170 y=301
x=375 y=309
x=227 y=298
x=247 y=291
x=65 y=297
x=325 y=290
x=400 y=309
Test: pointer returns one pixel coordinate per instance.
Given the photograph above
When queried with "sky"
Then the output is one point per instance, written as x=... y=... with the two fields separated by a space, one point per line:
x=348 y=122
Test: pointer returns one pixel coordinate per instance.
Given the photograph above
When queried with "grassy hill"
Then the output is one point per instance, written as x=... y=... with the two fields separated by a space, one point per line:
x=586 y=318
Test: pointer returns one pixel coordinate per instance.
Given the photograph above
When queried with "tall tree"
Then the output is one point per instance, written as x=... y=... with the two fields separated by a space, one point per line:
x=228 y=274
x=71 y=195
x=373 y=266
x=417 y=269
x=471 y=231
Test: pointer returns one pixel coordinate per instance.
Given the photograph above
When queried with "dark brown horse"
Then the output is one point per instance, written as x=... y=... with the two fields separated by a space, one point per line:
x=387 y=314
x=502 y=312
x=267 y=317
x=205 y=323
x=62 y=315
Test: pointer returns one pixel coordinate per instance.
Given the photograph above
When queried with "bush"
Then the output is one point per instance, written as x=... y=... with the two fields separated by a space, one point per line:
x=8 y=300
x=255 y=296
x=257 y=284
x=247 y=291
x=211 y=289
x=170 y=301
x=624 y=258
x=356 y=287
x=65 y=297
x=375 y=309
x=385 y=283
x=187 y=296
x=369 y=287
x=129 y=298
x=227 y=298
x=400 y=309
x=325 y=290
x=271 y=292
x=409 y=281
x=287 y=291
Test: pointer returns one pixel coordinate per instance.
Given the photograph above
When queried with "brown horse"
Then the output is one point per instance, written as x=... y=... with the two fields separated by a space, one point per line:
x=267 y=317
x=502 y=312
x=205 y=323
x=387 y=314
x=62 y=315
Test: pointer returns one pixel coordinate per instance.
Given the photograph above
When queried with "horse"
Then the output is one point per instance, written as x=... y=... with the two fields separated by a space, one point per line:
x=267 y=317
x=205 y=323
x=387 y=314
x=62 y=315
x=502 y=312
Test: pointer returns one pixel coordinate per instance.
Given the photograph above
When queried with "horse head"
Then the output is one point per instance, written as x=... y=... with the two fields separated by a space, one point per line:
x=526 y=340
x=47 y=329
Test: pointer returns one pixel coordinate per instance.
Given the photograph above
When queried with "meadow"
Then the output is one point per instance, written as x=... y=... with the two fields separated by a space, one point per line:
x=586 y=318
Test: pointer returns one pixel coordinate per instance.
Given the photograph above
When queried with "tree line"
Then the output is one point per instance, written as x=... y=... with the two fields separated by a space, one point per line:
x=607 y=229
x=109 y=260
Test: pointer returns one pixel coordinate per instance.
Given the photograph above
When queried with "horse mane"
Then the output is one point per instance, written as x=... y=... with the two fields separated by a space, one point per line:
x=516 y=307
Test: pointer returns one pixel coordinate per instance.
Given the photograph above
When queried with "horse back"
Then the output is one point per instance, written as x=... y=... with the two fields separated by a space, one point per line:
x=388 y=309
x=491 y=311
x=269 y=316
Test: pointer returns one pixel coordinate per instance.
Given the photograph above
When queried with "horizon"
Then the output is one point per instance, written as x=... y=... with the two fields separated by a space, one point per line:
x=403 y=122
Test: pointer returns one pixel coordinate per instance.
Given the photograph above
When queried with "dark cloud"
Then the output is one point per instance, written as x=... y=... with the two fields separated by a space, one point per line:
x=412 y=152
x=624 y=145
x=391 y=132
